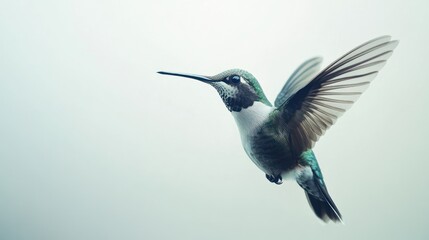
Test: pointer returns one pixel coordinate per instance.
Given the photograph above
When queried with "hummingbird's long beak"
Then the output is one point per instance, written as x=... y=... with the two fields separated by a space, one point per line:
x=193 y=76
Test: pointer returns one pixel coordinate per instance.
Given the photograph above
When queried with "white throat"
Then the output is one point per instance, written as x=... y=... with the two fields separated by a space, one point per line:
x=250 y=118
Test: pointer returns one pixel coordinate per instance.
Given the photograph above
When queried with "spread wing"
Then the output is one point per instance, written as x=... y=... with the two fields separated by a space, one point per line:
x=301 y=77
x=312 y=109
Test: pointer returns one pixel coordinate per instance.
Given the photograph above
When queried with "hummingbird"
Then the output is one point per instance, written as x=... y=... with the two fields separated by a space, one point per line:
x=279 y=138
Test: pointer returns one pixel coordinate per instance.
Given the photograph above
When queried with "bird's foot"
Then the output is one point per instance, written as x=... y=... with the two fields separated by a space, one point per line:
x=277 y=180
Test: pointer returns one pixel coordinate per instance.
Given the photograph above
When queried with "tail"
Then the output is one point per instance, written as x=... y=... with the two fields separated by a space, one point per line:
x=310 y=178
x=318 y=197
x=323 y=205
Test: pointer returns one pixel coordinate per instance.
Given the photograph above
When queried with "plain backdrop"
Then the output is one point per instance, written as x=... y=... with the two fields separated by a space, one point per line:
x=95 y=145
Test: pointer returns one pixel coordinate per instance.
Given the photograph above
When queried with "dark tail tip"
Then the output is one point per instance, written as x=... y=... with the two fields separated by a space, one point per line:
x=325 y=210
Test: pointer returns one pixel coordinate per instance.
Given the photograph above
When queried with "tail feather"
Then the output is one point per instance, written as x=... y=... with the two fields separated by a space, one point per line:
x=309 y=177
x=325 y=210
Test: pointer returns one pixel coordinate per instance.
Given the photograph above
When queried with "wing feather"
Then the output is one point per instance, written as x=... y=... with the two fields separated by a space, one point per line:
x=310 y=107
x=302 y=75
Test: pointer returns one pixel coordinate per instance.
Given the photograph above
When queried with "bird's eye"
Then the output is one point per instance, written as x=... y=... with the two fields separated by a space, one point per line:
x=234 y=78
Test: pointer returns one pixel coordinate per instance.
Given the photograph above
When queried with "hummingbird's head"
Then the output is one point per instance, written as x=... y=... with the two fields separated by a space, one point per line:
x=238 y=88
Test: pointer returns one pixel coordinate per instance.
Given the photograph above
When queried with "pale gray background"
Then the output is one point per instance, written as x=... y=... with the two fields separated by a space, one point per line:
x=95 y=145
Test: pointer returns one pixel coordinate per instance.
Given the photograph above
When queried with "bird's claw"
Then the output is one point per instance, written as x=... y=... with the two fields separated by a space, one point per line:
x=277 y=180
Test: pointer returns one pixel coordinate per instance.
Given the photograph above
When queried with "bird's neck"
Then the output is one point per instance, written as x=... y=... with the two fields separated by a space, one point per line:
x=249 y=119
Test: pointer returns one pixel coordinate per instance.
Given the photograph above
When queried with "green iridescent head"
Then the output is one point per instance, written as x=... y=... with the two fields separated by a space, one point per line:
x=238 y=88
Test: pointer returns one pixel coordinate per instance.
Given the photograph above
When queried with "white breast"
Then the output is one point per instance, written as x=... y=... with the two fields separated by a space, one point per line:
x=248 y=120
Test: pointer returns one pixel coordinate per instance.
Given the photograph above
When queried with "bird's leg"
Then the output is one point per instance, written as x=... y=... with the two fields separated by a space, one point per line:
x=274 y=179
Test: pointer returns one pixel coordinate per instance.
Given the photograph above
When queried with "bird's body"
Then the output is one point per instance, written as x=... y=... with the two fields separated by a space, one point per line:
x=271 y=151
x=279 y=138
x=259 y=139
x=268 y=149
